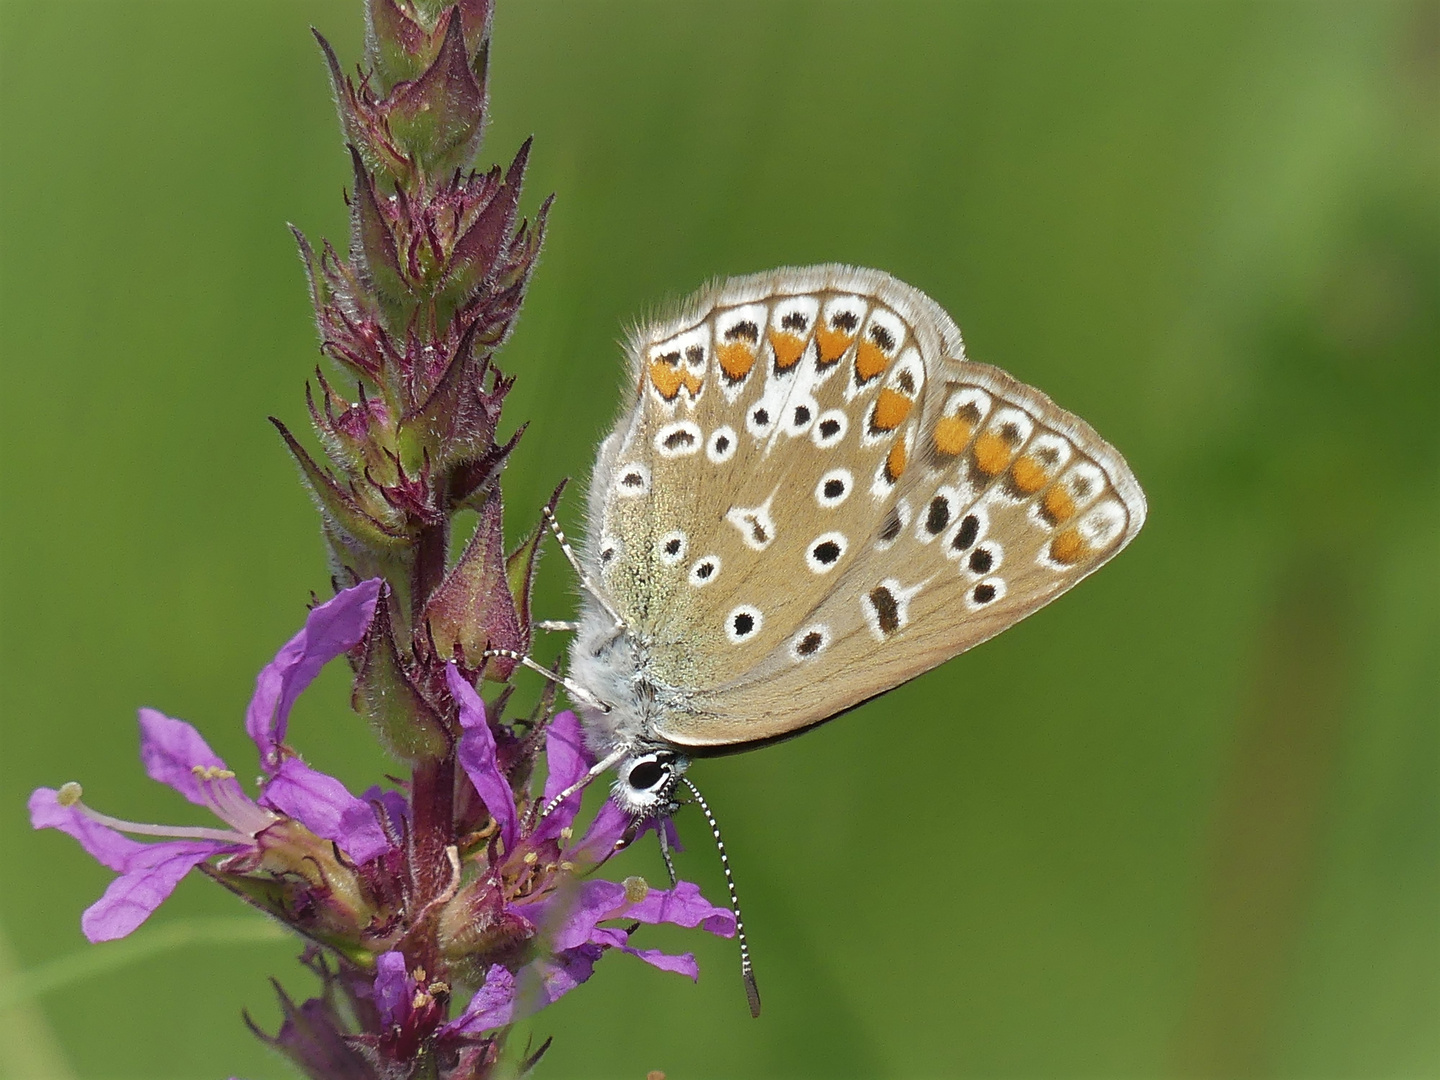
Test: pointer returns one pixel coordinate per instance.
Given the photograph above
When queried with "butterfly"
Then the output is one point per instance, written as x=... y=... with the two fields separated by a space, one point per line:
x=811 y=497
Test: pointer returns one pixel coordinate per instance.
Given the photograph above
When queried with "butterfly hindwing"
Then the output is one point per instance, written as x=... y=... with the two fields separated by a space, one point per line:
x=816 y=497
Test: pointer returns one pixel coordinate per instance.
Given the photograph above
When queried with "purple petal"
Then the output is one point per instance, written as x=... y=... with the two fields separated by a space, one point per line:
x=568 y=761
x=323 y=805
x=561 y=973
x=595 y=901
x=611 y=937
x=683 y=906
x=171 y=751
x=102 y=843
x=393 y=988
x=150 y=877
x=602 y=836
x=476 y=754
x=492 y=1006
x=684 y=964
x=334 y=627
x=565 y=753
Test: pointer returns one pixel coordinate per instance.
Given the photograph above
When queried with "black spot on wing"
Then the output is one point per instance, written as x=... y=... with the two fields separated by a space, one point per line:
x=887 y=611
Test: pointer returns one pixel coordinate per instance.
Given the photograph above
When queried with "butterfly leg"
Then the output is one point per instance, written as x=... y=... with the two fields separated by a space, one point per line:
x=586 y=582
x=609 y=760
x=576 y=691
x=662 y=833
x=560 y=625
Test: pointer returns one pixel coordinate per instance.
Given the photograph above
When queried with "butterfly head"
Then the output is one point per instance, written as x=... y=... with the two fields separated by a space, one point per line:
x=646 y=781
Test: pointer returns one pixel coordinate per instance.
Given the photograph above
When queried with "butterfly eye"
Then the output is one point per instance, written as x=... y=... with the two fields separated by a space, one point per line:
x=646 y=775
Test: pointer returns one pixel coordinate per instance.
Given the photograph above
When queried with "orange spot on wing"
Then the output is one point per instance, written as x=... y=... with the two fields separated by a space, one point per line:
x=891 y=409
x=693 y=383
x=1068 y=547
x=668 y=378
x=832 y=343
x=788 y=349
x=736 y=359
x=869 y=361
x=895 y=461
x=952 y=433
x=1028 y=474
x=1059 y=506
x=992 y=453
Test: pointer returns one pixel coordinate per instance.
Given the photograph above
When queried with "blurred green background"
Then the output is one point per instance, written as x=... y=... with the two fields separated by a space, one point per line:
x=1182 y=823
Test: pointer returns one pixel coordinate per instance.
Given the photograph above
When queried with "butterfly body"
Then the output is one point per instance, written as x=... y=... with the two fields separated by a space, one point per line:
x=811 y=497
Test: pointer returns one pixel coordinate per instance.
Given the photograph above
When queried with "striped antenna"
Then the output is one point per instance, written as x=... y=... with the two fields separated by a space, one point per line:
x=747 y=970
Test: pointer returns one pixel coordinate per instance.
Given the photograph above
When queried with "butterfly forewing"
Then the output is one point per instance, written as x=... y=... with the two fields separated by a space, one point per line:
x=815 y=498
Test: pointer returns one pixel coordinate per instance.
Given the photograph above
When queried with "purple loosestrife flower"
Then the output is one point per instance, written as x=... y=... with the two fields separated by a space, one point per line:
x=302 y=823
x=531 y=901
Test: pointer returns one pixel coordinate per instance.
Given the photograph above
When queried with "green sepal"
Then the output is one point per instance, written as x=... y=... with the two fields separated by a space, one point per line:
x=314 y=272
x=363 y=128
x=396 y=46
x=437 y=119
x=402 y=720
x=373 y=244
x=337 y=505
x=471 y=482
x=456 y=421
x=269 y=895
x=476 y=254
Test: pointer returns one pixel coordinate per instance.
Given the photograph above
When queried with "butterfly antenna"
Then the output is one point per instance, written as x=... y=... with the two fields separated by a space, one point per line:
x=747 y=970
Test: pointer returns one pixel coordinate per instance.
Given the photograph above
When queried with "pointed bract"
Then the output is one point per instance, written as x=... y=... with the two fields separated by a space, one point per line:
x=374 y=243
x=486 y=242
x=396 y=46
x=436 y=119
x=363 y=125
x=472 y=609
x=340 y=507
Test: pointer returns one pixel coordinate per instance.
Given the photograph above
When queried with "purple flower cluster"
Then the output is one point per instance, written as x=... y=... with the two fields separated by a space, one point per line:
x=521 y=918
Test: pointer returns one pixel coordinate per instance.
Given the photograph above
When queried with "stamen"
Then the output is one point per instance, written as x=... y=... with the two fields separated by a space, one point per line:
x=229 y=803
x=636 y=889
x=167 y=832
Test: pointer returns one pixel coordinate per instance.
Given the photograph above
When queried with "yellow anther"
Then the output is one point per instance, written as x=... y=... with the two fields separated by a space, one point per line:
x=69 y=793
x=566 y=833
x=211 y=772
x=566 y=865
x=420 y=1000
x=636 y=889
x=531 y=858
